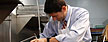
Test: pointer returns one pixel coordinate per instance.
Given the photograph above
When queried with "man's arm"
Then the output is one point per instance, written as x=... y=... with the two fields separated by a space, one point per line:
x=47 y=33
x=48 y=30
x=53 y=39
x=39 y=40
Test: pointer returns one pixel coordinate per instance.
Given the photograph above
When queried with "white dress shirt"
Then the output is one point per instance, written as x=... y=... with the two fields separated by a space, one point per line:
x=78 y=28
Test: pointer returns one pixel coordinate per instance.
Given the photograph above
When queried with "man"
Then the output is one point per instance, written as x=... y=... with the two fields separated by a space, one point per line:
x=68 y=24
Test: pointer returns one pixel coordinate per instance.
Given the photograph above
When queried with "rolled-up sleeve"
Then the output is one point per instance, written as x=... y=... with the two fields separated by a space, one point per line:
x=48 y=31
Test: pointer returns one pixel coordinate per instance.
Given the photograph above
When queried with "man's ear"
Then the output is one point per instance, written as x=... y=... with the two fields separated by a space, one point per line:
x=63 y=8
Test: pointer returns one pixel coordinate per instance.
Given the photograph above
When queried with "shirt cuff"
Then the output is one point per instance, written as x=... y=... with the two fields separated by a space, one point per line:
x=60 y=37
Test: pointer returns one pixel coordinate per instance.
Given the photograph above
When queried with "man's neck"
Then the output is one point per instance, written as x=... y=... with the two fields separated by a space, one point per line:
x=65 y=13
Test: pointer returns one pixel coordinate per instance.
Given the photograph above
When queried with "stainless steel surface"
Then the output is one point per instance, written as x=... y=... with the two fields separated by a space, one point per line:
x=27 y=39
x=38 y=16
x=4 y=31
x=30 y=9
x=24 y=27
x=6 y=7
x=21 y=26
x=21 y=22
x=5 y=10
x=10 y=29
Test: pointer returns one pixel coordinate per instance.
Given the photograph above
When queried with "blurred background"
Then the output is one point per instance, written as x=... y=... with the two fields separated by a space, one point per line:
x=20 y=19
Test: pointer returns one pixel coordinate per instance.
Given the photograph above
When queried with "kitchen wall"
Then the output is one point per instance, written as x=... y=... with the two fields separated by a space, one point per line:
x=98 y=10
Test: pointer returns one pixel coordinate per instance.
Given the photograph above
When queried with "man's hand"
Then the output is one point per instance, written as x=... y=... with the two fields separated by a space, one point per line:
x=53 y=39
x=39 y=40
x=35 y=40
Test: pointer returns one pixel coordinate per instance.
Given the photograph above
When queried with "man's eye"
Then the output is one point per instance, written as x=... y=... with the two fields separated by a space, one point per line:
x=53 y=16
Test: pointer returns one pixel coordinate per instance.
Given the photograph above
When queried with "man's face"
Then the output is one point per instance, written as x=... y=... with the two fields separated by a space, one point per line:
x=57 y=16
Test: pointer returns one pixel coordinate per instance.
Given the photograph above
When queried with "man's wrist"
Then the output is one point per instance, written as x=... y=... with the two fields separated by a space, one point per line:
x=48 y=39
x=42 y=40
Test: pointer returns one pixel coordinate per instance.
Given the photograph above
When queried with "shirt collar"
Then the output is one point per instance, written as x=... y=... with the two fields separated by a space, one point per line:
x=68 y=11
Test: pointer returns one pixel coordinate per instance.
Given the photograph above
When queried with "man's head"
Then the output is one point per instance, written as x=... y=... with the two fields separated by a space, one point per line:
x=56 y=8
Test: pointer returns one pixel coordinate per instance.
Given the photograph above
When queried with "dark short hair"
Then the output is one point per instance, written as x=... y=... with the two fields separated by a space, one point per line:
x=52 y=6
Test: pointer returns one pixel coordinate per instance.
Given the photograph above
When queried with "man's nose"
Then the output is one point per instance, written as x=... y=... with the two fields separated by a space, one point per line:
x=54 y=18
